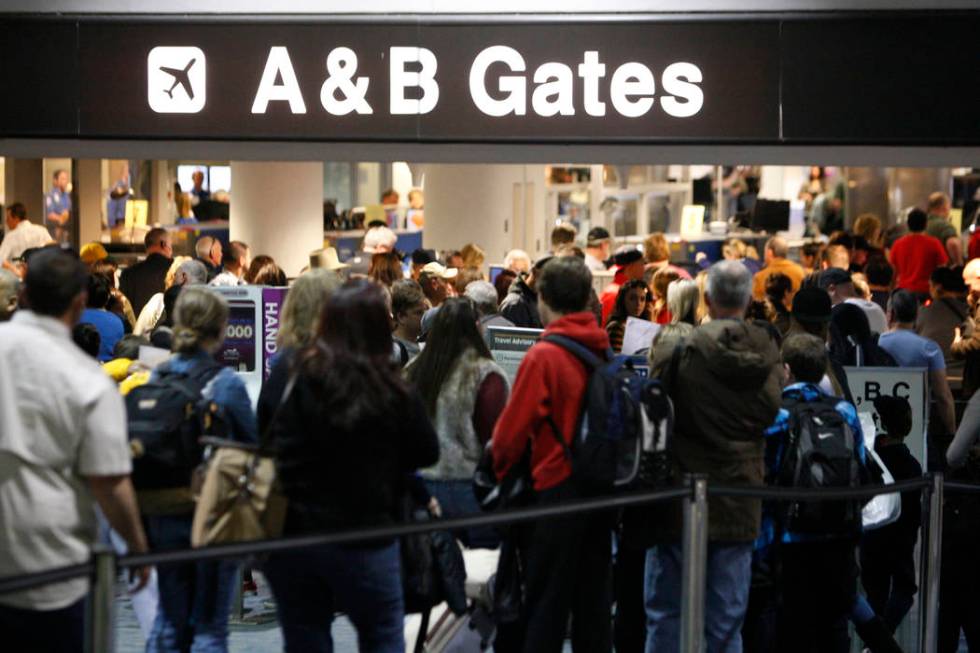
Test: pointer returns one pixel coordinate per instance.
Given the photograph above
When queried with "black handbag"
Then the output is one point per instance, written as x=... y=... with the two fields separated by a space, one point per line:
x=515 y=490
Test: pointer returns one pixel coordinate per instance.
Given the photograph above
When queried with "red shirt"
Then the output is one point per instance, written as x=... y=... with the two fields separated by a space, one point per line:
x=973 y=249
x=550 y=381
x=914 y=257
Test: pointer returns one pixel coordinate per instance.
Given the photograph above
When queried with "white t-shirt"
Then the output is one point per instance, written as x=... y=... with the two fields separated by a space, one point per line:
x=61 y=420
x=24 y=236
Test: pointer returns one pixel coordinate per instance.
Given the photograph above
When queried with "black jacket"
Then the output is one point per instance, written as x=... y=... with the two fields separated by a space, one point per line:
x=345 y=475
x=520 y=306
x=141 y=281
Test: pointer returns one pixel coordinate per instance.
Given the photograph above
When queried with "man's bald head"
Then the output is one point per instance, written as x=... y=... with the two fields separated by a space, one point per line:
x=971 y=275
x=778 y=247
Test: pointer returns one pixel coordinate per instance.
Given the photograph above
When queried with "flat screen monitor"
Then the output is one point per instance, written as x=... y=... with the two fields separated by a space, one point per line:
x=495 y=271
x=770 y=215
x=701 y=192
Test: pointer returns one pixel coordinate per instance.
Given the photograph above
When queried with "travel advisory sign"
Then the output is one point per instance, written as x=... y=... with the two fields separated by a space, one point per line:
x=521 y=81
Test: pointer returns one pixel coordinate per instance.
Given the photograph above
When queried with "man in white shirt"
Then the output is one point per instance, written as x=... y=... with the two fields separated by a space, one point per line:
x=837 y=282
x=597 y=248
x=21 y=234
x=236 y=262
x=63 y=449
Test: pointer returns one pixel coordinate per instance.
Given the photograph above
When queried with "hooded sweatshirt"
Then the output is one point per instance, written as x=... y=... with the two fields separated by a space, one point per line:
x=726 y=394
x=520 y=306
x=550 y=381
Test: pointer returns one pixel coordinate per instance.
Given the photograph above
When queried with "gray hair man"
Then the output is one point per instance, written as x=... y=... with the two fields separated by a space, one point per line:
x=726 y=392
x=484 y=295
x=9 y=290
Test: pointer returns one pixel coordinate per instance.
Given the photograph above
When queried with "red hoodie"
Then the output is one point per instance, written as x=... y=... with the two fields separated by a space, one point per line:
x=551 y=381
x=610 y=292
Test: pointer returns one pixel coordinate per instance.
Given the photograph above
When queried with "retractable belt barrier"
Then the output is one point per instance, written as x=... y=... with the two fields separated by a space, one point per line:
x=695 y=492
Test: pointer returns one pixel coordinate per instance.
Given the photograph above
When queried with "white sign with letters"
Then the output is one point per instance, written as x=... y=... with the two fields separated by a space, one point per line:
x=910 y=383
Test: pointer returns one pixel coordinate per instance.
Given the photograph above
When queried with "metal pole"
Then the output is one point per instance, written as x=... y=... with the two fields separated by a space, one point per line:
x=101 y=622
x=695 y=562
x=931 y=565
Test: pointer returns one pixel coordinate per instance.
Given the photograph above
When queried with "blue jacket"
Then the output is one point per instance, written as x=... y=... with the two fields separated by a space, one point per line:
x=228 y=392
x=777 y=436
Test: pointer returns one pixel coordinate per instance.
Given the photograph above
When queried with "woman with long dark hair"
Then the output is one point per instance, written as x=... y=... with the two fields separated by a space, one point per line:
x=345 y=438
x=464 y=391
x=634 y=300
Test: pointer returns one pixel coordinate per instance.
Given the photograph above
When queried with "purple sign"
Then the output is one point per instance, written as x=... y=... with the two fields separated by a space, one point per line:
x=272 y=300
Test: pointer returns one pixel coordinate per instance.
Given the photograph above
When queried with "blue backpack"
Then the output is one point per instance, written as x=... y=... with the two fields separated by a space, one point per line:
x=622 y=437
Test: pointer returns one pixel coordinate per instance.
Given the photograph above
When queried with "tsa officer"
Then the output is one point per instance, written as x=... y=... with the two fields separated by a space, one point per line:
x=57 y=208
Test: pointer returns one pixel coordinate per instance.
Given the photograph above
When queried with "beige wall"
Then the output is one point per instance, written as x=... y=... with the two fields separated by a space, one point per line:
x=277 y=209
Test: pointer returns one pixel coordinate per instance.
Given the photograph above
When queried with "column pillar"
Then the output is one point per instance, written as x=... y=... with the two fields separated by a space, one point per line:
x=91 y=202
x=495 y=206
x=24 y=183
x=277 y=209
x=162 y=210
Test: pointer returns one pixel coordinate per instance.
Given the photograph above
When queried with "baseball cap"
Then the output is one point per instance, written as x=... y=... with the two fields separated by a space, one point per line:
x=833 y=277
x=379 y=238
x=597 y=235
x=423 y=257
x=92 y=252
x=626 y=255
x=812 y=305
x=438 y=270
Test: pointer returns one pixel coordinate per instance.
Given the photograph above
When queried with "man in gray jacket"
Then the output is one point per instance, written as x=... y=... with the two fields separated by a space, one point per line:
x=726 y=392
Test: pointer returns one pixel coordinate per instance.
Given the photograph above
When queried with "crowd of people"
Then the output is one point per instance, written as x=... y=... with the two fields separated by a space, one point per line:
x=384 y=391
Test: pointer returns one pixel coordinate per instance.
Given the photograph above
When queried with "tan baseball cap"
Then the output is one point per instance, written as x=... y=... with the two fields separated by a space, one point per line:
x=439 y=270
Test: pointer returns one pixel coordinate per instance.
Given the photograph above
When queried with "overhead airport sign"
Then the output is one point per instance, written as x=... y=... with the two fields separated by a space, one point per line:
x=441 y=82
x=763 y=79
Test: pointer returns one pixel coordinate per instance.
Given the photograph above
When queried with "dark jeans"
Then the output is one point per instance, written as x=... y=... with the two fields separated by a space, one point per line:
x=456 y=499
x=195 y=598
x=888 y=576
x=630 y=630
x=759 y=628
x=43 y=631
x=364 y=582
x=568 y=573
x=959 y=586
x=819 y=586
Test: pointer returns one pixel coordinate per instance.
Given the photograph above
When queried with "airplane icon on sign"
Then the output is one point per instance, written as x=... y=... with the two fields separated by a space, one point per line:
x=181 y=78
x=170 y=69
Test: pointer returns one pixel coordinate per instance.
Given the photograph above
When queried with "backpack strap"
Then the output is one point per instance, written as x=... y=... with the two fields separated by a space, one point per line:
x=592 y=363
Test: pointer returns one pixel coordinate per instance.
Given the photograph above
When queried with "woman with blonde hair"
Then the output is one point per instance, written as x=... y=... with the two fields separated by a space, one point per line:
x=195 y=598
x=868 y=226
x=683 y=298
x=473 y=256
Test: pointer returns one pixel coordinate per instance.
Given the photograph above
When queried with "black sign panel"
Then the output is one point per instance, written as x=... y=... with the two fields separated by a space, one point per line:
x=853 y=79
x=882 y=80
x=633 y=103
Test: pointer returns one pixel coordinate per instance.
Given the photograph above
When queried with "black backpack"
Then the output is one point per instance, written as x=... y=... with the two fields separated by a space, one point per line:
x=167 y=418
x=623 y=433
x=821 y=452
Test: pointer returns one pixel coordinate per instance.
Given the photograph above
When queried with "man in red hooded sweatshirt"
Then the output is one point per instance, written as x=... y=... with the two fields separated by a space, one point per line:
x=567 y=567
x=629 y=265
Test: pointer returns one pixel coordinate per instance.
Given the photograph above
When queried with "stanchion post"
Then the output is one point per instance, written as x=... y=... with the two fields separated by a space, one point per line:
x=101 y=623
x=695 y=551
x=931 y=566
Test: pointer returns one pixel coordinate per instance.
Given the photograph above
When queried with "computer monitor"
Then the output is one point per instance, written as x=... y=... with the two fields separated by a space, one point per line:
x=770 y=215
